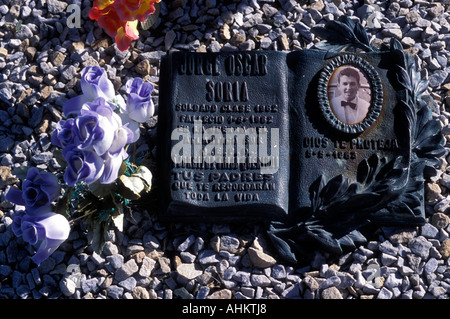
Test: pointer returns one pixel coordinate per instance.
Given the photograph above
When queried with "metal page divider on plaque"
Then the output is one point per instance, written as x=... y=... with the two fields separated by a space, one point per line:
x=314 y=143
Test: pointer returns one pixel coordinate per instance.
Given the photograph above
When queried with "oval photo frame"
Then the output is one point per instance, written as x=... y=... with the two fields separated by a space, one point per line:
x=365 y=105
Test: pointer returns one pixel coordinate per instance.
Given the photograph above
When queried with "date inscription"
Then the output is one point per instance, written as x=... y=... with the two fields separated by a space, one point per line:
x=323 y=147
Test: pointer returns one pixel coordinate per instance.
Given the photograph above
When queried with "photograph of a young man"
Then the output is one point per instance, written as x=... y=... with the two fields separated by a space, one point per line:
x=346 y=102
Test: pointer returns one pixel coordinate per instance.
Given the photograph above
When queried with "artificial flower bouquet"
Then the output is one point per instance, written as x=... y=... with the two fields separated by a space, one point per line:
x=99 y=177
x=119 y=18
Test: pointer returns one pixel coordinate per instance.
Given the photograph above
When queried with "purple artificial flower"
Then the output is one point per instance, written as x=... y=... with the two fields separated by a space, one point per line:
x=94 y=83
x=31 y=231
x=39 y=190
x=50 y=229
x=139 y=102
x=112 y=167
x=82 y=165
x=63 y=133
x=17 y=222
x=116 y=155
x=95 y=126
x=98 y=144
x=132 y=127
x=122 y=137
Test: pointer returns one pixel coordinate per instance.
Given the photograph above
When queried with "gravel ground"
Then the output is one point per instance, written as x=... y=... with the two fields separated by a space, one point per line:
x=40 y=63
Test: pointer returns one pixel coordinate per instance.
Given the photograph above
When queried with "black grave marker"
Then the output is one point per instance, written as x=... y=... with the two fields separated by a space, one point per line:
x=316 y=143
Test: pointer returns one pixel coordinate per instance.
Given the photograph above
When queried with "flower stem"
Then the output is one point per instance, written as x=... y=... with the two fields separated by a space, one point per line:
x=80 y=217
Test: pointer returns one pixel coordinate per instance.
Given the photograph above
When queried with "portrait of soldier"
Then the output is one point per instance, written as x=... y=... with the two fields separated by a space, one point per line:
x=349 y=102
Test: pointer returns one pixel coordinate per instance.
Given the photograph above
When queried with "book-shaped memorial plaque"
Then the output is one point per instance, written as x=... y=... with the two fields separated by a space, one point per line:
x=316 y=143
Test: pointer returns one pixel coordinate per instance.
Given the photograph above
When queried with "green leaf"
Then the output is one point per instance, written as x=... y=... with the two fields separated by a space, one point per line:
x=151 y=20
x=87 y=205
x=19 y=25
x=118 y=217
x=118 y=222
x=144 y=173
x=101 y=190
x=131 y=186
x=63 y=204
x=97 y=236
x=122 y=169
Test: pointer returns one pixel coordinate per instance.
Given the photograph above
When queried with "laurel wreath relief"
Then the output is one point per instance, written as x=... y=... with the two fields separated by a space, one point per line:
x=383 y=187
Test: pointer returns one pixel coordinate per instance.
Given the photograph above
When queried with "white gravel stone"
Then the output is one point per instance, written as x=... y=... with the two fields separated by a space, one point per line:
x=67 y=286
x=189 y=271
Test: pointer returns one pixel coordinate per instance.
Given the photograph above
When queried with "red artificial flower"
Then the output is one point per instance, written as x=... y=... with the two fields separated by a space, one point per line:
x=127 y=9
x=119 y=18
x=110 y=23
x=100 y=8
x=126 y=34
x=147 y=8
